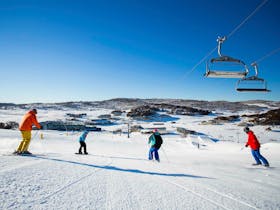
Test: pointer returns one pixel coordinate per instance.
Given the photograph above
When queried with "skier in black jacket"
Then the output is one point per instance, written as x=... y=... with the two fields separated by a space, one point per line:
x=155 y=140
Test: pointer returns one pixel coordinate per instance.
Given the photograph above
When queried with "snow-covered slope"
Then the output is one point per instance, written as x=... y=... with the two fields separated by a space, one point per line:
x=117 y=174
x=208 y=170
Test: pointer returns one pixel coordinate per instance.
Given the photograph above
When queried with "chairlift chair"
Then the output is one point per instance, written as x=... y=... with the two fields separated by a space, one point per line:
x=225 y=60
x=259 y=84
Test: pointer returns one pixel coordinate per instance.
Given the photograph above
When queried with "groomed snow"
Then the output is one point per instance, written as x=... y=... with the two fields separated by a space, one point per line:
x=117 y=175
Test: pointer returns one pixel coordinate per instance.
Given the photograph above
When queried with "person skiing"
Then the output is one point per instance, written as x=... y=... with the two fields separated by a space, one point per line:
x=255 y=148
x=25 y=127
x=82 y=140
x=155 y=141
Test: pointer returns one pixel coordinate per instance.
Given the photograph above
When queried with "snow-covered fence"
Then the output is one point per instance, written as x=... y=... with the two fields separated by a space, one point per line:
x=199 y=140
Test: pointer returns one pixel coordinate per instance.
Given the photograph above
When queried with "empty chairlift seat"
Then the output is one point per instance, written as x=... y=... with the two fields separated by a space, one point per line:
x=252 y=84
x=225 y=66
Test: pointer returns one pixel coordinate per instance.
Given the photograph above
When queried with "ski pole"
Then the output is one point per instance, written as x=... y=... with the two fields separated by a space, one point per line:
x=165 y=155
x=35 y=134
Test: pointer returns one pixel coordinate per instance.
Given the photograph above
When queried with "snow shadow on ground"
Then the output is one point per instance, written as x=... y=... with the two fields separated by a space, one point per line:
x=108 y=167
x=119 y=157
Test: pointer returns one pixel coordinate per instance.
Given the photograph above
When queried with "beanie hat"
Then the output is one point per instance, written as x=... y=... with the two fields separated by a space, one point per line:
x=34 y=110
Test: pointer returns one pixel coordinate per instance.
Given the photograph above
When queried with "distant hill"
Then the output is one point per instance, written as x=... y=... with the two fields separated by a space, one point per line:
x=129 y=103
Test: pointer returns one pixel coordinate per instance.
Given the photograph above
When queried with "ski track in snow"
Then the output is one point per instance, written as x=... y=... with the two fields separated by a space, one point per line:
x=200 y=192
x=211 y=195
x=227 y=176
x=42 y=200
x=72 y=183
x=22 y=165
x=224 y=190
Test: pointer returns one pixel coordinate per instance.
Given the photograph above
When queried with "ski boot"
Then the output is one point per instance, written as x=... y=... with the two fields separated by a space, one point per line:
x=256 y=164
x=26 y=153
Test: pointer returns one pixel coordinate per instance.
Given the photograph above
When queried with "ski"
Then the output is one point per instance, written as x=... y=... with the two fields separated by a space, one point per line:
x=23 y=155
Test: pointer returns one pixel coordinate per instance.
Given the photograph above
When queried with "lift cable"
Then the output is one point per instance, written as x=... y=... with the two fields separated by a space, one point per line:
x=267 y=55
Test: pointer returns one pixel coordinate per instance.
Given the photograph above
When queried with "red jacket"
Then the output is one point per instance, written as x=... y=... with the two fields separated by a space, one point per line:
x=252 y=141
x=28 y=120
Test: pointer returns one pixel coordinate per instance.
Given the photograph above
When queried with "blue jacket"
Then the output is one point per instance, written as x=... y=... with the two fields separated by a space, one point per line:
x=83 y=136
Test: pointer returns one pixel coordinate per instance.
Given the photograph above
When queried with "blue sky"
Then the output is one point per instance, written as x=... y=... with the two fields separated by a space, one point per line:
x=54 y=51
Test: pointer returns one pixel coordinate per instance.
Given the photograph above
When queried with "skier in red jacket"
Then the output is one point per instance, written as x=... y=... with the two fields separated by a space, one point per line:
x=255 y=148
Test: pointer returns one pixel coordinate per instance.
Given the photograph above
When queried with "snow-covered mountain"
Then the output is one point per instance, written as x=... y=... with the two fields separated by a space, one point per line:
x=127 y=103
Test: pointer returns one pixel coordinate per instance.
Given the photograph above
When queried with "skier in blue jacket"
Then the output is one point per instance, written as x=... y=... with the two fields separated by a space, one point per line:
x=155 y=141
x=82 y=140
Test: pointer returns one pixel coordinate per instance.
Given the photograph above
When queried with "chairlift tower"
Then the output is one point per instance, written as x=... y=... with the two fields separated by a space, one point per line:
x=128 y=129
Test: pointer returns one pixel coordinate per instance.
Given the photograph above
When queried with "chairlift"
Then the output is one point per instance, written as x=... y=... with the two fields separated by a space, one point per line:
x=253 y=83
x=239 y=70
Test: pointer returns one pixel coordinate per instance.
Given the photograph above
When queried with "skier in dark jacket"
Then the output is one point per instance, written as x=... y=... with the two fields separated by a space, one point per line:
x=155 y=141
x=255 y=148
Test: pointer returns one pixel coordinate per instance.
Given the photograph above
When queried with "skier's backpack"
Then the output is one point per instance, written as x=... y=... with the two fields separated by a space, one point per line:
x=158 y=141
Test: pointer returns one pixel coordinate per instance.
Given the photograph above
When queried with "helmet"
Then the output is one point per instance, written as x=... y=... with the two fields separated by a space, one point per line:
x=246 y=129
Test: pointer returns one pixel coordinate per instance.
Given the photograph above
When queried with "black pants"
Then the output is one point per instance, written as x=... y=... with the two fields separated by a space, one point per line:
x=83 y=145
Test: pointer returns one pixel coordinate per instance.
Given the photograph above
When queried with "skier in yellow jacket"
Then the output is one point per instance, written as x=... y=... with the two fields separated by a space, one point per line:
x=25 y=128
